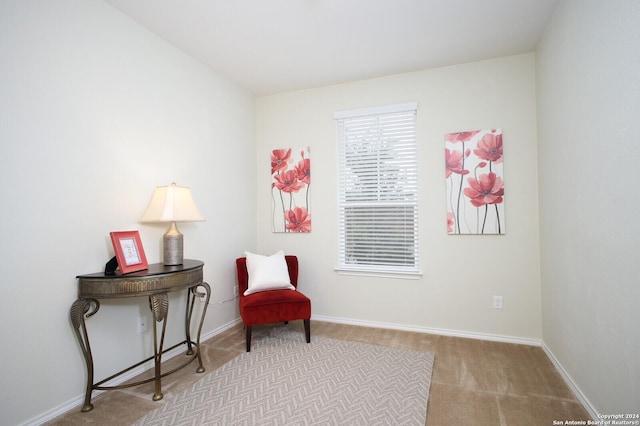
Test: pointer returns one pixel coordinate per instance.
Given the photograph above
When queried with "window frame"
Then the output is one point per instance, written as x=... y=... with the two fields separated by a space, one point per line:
x=411 y=188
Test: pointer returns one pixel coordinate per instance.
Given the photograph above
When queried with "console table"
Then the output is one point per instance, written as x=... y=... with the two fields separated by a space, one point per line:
x=155 y=283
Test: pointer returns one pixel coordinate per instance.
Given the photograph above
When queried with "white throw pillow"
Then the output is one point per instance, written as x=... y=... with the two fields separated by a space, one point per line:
x=267 y=273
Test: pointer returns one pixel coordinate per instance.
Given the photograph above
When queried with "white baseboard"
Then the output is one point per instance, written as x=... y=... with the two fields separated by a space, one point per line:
x=220 y=329
x=429 y=330
x=76 y=402
x=572 y=385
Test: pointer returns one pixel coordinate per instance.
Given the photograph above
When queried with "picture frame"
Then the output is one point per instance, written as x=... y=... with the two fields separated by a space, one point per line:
x=129 y=251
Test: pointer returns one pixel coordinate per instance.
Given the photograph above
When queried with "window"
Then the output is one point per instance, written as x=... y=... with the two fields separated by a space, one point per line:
x=378 y=190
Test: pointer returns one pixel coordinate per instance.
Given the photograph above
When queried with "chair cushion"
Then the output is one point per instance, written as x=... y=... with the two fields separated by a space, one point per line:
x=267 y=273
x=274 y=306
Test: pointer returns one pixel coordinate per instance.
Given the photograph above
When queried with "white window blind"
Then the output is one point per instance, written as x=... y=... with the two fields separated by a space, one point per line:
x=378 y=190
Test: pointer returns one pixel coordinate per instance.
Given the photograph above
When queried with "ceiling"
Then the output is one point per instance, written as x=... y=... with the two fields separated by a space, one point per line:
x=271 y=46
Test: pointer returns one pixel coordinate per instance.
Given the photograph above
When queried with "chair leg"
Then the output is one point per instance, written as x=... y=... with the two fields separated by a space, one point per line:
x=307 y=330
x=248 y=337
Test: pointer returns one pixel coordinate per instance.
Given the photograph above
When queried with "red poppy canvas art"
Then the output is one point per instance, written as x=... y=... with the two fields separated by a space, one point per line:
x=290 y=183
x=475 y=186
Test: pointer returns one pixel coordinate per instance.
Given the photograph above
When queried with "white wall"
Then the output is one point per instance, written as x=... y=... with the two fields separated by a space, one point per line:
x=588 y=108
x=95 y=112
x=461 y=273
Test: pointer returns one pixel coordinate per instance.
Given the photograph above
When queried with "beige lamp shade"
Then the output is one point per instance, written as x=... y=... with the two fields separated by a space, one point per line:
x=172 y=204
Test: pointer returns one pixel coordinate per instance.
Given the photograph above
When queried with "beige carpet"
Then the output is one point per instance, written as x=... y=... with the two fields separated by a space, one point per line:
x=474 y=382
x=285 y=381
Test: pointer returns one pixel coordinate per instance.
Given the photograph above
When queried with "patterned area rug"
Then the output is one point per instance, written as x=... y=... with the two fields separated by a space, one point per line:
x=285 y=381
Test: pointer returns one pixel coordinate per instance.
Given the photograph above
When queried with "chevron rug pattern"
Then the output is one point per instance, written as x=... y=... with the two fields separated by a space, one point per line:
x=285 y=381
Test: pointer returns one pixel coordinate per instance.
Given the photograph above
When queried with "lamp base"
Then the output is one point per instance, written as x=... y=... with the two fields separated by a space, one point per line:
x=173 y=245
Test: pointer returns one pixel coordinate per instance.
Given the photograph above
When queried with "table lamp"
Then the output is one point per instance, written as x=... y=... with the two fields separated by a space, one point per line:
x=172 y=204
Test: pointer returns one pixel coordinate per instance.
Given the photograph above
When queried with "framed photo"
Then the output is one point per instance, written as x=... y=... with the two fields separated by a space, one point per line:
x=129 y=251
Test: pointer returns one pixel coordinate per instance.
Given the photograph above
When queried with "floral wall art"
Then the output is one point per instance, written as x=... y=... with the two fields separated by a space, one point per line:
x=290 y=183
x=475 y=186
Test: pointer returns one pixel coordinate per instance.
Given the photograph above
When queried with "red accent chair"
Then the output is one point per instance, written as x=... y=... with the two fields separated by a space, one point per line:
x=271 y=306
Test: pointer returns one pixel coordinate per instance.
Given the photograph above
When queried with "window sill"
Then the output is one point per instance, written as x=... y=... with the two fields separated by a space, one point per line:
x=374 y=273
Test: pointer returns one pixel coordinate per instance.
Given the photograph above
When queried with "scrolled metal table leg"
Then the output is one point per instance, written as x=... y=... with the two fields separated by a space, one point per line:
x=159 y=304
x=191 y=299
x=79 y=309
x=201 y=368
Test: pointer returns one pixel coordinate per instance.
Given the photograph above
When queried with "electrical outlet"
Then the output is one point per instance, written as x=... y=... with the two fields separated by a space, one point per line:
x=497 y=302
x=142 y=324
